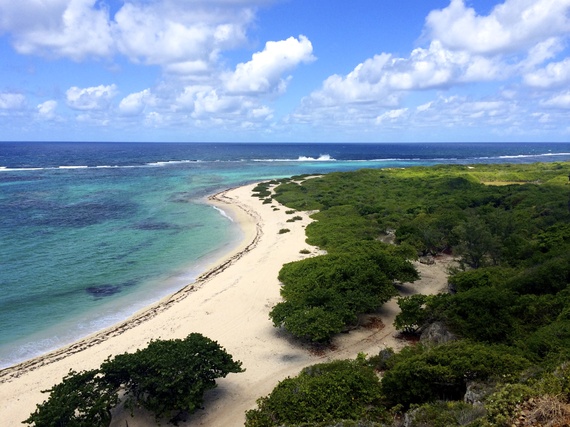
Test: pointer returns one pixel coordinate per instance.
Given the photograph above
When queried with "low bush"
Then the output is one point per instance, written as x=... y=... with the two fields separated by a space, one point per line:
x=339 y=390
x=421 y=374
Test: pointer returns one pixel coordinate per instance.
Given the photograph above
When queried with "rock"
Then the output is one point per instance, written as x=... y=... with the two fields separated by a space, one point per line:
x=477 y=391
x=437 y=333
x=427 y=260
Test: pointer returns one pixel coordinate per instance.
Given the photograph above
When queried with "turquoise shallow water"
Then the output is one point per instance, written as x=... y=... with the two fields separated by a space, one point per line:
x=91 y=233
x=94 y=249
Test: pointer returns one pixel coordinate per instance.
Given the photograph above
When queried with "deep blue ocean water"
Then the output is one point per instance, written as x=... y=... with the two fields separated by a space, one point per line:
x=92 y=232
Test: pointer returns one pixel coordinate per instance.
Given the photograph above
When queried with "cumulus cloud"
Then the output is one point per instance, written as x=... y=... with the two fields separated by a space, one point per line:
x=68 y=28
x=91 y=98
x=384 y=78
x=12 y=101
x=517 y=41
x=561 y=100
x=554 y=74
x=135 y=103
x=391 y=115
x=212 y=103
x=162 y=32
x=46 y=110
x=264 y=72
x=167 y=32
x=512 y=25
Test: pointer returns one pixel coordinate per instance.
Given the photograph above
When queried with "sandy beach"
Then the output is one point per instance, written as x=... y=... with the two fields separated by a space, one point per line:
x=229 y=304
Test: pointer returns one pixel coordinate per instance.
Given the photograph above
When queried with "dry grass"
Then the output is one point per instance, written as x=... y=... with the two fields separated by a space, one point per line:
x=499 y=183
x=545 y=411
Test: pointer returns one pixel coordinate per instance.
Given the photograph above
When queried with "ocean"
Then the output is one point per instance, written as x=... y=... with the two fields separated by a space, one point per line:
x=90 y=233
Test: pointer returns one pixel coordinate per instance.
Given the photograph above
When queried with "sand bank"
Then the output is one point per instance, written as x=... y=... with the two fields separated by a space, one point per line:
x=230 y=304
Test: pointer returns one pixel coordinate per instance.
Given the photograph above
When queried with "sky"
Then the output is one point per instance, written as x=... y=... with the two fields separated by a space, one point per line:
x=285 y=70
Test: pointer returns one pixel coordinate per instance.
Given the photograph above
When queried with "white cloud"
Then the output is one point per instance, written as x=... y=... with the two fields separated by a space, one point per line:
x=263 y=74
x=212 y=103
x=424 y=107
x=69 y=28
x=391 y=115
x=512 y=25
x=542 y=51
x=164 y=33
x=562 y=100
x=262 y=112
x=187 y=97
x=91 y=98
x=161 y=32
x=554 y=74
x=154 y=119
x=46 y=110
x=135 y=103
x=188 y=67
x=12 y=101
x=384 y=78
x=464 y=51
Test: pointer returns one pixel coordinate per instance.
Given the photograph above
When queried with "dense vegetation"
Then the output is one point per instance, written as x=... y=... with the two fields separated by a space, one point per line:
x=509 y=299
x=167 y=378
x=344 y=389
x=325 y=294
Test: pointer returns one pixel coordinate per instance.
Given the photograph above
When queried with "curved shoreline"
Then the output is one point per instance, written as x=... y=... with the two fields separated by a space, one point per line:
x=220 y=198
x=233 y=309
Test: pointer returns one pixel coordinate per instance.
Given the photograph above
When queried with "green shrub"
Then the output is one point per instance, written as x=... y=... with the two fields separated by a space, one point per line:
x=426 y=374
x=502 y=405
x=381 y=361
x=324 y=294
x=483 y=277
x=480 y=314
x=444 y=414
x=551 y=341
x=284 y=230
x=339 y=390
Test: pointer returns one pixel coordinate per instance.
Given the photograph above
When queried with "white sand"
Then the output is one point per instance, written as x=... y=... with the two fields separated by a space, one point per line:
x=229 y=304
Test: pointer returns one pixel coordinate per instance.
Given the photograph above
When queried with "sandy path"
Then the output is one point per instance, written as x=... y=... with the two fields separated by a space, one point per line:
x=230 y=304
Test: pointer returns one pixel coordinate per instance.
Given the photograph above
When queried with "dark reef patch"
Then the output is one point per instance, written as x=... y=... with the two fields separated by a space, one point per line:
x=151 y=225
x=102 y=291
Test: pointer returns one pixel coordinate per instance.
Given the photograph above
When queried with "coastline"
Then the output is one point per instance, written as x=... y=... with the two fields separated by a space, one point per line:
x=229 y=303
x=174 y=316
x=248 y=242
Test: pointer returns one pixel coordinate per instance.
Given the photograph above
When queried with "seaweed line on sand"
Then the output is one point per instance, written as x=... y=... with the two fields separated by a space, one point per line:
x=17 y=370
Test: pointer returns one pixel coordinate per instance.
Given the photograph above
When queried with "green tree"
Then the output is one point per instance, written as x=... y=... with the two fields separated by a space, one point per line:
x=477 y=247
x=322 y=295
x=82 y=399
x=481 y=314
x=412 y=313
x=168 y=376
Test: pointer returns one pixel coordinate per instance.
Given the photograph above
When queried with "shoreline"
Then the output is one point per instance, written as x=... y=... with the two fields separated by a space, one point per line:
x=232 y=309
x=218 y=200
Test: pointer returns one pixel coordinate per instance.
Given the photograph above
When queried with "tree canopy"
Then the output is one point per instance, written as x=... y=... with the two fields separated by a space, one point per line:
x=167 y=377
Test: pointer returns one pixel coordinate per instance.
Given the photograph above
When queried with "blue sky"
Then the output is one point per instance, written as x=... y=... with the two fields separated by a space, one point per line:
x=285 y=70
